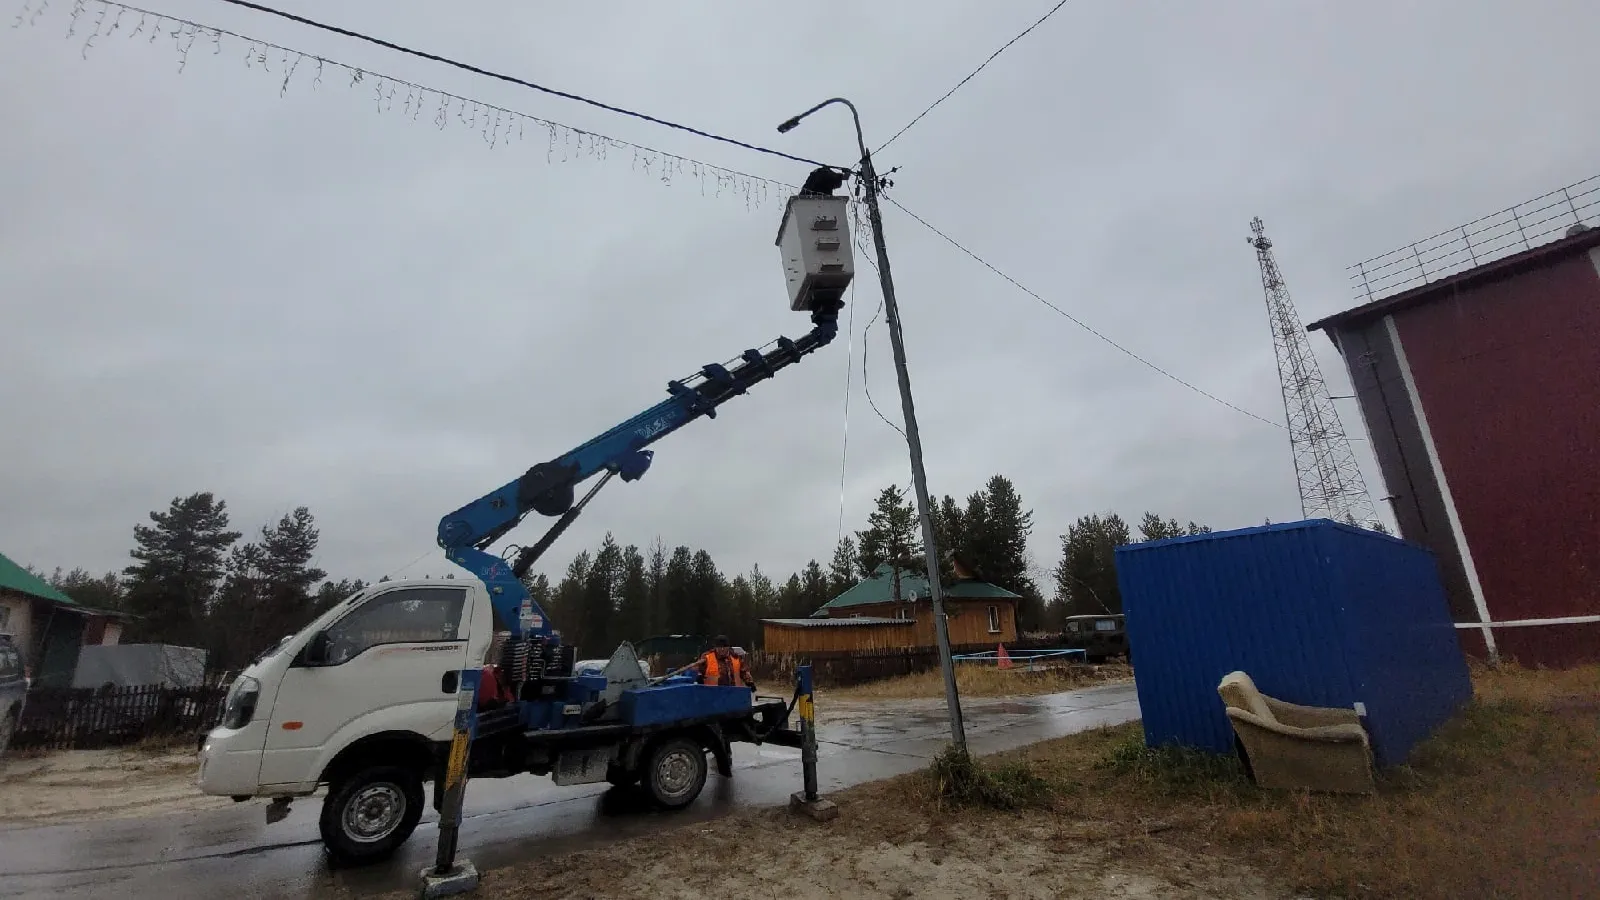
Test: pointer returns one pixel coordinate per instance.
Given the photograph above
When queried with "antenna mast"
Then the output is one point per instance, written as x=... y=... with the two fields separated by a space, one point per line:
x=1331 y=485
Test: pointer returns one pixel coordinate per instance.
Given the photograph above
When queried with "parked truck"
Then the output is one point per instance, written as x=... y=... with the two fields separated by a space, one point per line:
x=362 y=700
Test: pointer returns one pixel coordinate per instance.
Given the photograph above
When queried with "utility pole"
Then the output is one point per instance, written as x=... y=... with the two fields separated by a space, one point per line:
x=919 y=477
x=1331 y=485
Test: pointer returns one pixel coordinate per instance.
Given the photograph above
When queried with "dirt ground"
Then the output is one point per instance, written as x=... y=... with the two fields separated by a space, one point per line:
x=1504 y=802
x=82 y=785
x=983 y=680
x=774 y=854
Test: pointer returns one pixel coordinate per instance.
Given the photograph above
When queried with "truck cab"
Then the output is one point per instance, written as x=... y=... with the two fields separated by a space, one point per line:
x=372 y=679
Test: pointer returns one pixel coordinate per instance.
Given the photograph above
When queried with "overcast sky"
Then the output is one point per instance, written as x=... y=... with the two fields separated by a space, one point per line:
x=300 y=299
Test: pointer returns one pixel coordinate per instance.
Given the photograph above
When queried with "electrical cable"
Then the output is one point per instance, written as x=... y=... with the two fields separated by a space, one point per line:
x=849 y=368
x=1079 y=322
x=510 y=79
x=645 y=157
x=970 y=75
x=866 y=383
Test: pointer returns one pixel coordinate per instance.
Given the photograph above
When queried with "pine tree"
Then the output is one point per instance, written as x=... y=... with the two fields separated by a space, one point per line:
x=890 y=537
x=792 y=599
x=566 y=601
x=707 y=590
x=738 y=618
x=842 y=571
x=1086 y=577
x=331 y=593
x=678 y=598
x=656 y=577
x=814 y=587
x=541 y=592
x=268 y=592
x=180 y=566
x=950 y=530
x=96 y=592
x=290 y=546
x=242 y=615
x=601 y=588
x=1000 y=547
x=1153 y=528
x=763 y=593
x=633 y=614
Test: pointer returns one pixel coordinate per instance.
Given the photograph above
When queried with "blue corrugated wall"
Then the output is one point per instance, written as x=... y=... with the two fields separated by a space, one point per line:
x=1317 y=613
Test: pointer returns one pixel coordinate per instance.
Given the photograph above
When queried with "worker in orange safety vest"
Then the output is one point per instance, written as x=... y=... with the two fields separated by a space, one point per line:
x=720 y=666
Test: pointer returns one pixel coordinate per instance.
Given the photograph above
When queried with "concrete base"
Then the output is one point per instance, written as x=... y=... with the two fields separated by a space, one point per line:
x=463 y=879
x=819 y=809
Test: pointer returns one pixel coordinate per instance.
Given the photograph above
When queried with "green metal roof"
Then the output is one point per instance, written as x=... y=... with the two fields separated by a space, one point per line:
x=880 y=589
x=15 y=578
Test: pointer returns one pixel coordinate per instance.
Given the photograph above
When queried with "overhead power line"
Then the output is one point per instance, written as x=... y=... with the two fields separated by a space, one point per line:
x=1079 y=322
x=521 y=82
x=970 y=75
x=97 y=21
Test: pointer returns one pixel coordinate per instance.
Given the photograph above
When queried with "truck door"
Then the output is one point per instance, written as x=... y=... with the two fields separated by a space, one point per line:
x=389 y=664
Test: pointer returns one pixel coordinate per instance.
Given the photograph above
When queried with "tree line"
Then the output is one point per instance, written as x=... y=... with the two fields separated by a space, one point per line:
x=196 y=581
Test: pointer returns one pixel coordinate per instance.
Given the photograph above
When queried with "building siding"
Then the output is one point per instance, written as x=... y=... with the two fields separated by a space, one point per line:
x=1505 y=372
x=968 y=624
x=859 y=639
x=968 y=619
x=19 y=622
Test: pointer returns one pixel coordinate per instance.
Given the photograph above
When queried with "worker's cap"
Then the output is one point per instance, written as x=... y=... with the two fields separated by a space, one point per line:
x=721 y=641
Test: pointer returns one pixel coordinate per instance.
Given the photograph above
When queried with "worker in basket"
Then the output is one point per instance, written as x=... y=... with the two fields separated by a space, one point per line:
x=720 y=666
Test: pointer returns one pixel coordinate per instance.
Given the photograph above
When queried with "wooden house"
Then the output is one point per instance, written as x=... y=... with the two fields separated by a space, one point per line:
x=889 y=613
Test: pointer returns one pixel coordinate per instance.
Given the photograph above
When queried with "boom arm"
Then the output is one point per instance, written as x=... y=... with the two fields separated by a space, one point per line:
x=549 y=488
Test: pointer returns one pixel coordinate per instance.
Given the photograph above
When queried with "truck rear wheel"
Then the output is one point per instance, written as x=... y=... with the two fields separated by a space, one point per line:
x=369 y=813
x=675 y=772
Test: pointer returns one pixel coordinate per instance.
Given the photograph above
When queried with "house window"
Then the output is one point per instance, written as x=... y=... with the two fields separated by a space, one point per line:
x=994 y=620
x=5 y=618
x=900 y=613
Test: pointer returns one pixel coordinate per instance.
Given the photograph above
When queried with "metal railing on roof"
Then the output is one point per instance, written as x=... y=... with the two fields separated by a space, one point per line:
x=1522 y=227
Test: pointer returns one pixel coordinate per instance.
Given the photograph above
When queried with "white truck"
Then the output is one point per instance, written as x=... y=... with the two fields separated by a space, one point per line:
x=363 y=699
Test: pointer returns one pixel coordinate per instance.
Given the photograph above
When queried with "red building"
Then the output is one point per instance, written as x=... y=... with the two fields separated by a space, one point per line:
x=1481 y=395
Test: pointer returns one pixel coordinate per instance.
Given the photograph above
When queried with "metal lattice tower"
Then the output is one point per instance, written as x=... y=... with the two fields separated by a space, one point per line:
x=1331 y=485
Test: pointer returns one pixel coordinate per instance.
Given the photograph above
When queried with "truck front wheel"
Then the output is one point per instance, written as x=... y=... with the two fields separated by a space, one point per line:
x=369 y=813
x=675 y=772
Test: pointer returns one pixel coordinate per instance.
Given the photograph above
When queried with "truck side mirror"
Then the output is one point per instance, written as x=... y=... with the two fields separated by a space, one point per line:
x=316 y=652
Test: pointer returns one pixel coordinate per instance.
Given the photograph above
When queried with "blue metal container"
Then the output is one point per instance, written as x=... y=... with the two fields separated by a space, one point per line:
x=1316 y=612
x=667 y=703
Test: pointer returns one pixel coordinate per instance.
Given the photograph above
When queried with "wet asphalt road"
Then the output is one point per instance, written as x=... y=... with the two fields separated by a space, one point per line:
x=232 y=853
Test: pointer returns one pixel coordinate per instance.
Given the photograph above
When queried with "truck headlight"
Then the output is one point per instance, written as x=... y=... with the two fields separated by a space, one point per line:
x=240 y=704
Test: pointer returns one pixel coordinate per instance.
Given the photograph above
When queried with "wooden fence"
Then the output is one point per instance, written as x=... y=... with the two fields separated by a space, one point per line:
x=90 y=718
x=841 y=668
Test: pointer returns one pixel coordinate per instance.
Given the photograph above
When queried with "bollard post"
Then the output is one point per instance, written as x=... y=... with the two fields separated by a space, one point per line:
x=806 y=800
x=808 y=732
x=449 y=876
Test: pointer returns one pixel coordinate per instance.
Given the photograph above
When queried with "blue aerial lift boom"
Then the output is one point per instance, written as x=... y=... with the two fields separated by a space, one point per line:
x=814 y=244
x=549 y=488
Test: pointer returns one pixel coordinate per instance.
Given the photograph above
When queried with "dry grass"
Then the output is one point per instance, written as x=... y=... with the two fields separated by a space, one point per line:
x=982 y=680
x=1504 y=802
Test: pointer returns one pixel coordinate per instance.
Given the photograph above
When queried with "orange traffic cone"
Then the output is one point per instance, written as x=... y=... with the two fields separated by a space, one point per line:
x=1003 y=657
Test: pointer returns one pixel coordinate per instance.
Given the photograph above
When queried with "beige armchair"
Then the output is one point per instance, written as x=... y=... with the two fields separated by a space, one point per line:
x=1291 y=746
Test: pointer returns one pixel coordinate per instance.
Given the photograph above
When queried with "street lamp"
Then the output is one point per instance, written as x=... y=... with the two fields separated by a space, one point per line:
x=919 y=477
